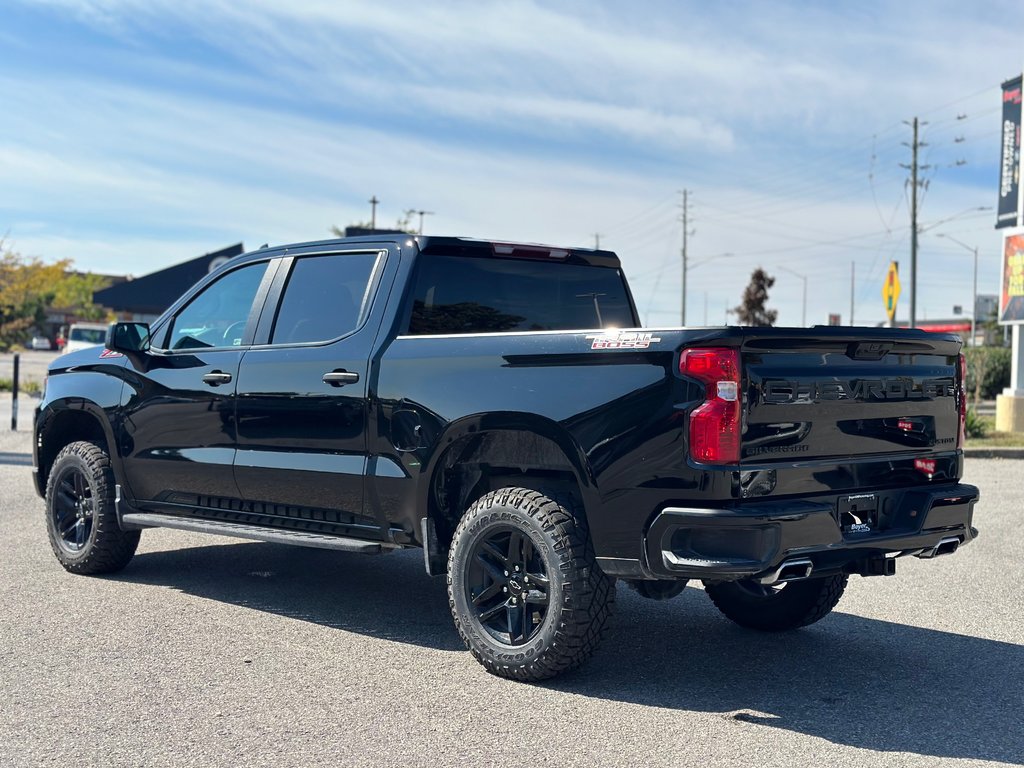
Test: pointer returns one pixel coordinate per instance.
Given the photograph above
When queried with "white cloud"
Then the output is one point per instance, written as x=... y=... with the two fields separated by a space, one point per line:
x=511 y=120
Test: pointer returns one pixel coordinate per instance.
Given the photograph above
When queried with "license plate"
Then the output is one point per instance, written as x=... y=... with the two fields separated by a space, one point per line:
x=858 y=513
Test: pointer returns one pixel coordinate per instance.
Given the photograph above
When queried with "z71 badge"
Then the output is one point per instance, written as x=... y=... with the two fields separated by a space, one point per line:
x=623 y=340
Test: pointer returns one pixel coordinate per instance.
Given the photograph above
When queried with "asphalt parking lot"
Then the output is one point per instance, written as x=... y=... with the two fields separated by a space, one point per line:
x=216 y=652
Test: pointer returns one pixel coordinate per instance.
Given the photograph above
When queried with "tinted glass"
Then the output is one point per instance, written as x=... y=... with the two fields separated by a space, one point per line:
x=457 y=294
x=90 y=335
x=324 y=298
x=217 y=316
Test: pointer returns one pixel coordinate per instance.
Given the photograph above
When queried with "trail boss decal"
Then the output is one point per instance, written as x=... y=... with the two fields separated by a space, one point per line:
x=623 y=340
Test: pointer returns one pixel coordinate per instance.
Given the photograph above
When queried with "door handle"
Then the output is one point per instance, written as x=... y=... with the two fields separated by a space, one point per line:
x=340 y=378
x=216 y=378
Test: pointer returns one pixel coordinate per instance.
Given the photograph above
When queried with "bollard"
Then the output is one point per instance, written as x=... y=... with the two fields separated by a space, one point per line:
x=14 y=393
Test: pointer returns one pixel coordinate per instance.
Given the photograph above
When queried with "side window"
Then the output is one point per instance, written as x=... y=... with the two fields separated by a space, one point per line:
x=217 y=316
x=325 y=298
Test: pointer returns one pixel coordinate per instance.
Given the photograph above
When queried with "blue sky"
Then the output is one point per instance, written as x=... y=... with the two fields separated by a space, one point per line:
x=139 y=133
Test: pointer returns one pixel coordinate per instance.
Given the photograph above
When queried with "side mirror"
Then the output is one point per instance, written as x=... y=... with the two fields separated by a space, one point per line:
x=128 y=338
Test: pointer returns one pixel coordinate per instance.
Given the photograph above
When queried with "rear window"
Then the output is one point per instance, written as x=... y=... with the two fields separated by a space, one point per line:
x=459 y=294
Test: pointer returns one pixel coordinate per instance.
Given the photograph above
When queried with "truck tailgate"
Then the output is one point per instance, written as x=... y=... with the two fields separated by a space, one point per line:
x=824 y=394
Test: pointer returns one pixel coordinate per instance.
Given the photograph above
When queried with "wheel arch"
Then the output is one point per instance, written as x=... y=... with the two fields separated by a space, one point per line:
x=66 y=421
x=481 y=453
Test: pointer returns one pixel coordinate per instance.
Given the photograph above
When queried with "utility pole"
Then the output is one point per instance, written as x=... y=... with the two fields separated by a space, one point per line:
x=597 y=241
x=914 y=168
x=686 y=232
x=853 y=282
x=422 y=214
x=373 y=212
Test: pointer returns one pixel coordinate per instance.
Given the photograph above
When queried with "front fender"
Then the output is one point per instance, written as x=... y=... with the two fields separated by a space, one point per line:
x=79 y=404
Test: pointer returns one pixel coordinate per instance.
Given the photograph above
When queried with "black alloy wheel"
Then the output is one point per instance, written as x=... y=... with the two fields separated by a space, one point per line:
x=73 y=509
x=525 y=590
x=508 y=583
x=81 y=512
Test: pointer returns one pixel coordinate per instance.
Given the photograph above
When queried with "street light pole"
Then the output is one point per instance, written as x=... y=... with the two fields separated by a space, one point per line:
x=974 y=305
x=686 y=224
x=974 y=308
x=687 y=266
x=804 y=278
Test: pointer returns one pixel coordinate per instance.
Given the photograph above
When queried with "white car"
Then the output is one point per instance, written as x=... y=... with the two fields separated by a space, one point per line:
x=40 y=342
x=85 y=335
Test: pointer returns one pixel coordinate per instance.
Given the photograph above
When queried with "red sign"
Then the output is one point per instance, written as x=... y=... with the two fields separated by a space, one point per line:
x=1011 y=295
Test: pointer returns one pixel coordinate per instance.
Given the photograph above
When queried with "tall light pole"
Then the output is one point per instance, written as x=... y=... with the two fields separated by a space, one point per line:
x=685 y=217
x=853 y=281
x=974 y=302
x=687 y=267
x=804 y=278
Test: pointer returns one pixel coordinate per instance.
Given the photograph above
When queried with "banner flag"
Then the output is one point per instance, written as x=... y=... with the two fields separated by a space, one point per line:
x=1009 y=166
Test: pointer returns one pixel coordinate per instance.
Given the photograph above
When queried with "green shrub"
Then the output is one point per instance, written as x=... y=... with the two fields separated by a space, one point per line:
x=974 y=425
x=993 y=363
x=27 y=386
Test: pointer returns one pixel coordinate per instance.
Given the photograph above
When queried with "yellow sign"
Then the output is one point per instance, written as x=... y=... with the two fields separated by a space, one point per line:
x=891 y=290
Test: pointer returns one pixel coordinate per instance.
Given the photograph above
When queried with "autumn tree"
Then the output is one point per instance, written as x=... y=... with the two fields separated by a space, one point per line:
x=27 y=287
x=752 y=310
x=75 y=293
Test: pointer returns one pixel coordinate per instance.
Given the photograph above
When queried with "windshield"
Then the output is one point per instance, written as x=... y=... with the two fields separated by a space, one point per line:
x=88 y=335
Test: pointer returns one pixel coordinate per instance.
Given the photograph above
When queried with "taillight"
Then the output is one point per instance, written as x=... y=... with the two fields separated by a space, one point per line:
x=715 y=424
x=961 y=389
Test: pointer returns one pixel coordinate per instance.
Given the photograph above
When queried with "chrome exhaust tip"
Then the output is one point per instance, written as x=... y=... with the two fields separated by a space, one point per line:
x=790 y=570
x=946 y=546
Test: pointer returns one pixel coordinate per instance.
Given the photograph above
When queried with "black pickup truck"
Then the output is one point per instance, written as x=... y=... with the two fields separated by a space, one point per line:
x=499 y=406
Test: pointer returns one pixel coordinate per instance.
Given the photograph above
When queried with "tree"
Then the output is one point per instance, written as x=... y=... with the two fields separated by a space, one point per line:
x=27 y=287
x=752 y=310
x=339 y=232
x=75 y=293
x=403 y=224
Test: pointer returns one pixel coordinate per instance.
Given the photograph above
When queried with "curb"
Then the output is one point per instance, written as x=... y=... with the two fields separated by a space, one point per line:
x=994 y=453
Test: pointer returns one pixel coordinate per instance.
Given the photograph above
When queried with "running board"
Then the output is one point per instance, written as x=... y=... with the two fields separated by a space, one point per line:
x=256 y=532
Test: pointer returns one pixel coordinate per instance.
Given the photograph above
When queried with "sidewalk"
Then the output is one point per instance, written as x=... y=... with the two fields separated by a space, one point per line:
x=26 y=405
x=16 y=447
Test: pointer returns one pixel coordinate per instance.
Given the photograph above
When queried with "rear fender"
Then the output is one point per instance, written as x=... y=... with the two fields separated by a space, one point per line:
x=520 y=443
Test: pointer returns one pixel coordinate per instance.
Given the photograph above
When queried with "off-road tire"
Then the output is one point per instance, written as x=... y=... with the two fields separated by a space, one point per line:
x=796 y=604
x=105 y=548
x=580 y=596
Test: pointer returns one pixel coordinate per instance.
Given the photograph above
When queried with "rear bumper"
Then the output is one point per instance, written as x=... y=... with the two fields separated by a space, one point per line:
x=754 y=540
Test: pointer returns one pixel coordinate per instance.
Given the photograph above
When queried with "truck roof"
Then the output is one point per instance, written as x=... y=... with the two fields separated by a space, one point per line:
x=448 y=245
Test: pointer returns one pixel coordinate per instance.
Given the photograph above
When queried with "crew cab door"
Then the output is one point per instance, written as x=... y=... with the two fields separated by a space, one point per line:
x=302 y=391
x=177 y=437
